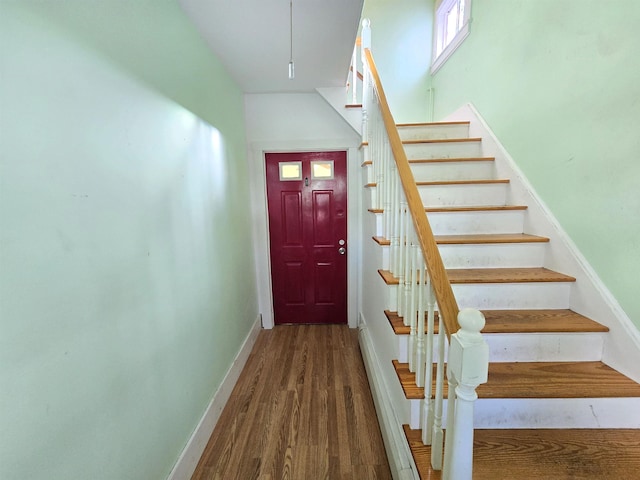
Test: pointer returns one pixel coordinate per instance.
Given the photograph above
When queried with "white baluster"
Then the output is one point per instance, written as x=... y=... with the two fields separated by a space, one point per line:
x=402 y=240
x=408 y=277
x=393 y=208
x=367 y=85
x=382 y=153
x=412 y=296
x=469 y=365
x=369 y=123
x=437 y=436
x=420 y=309
x=451 y=433
x=387 y=182
x=428 y=406
x=354 y=75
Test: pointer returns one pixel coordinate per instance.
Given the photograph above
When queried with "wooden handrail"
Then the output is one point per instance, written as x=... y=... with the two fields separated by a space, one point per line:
x=447 y=305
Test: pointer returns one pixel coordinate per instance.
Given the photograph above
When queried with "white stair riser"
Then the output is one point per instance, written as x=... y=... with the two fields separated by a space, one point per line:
x=403 y=344
x=467 y=223
x=378 y=224
x=501 y=296
x=433 y=132
x=417 y=151
x=453 y=195
x=370 y=198
x=367 y=175
x=393 y=298
x=385 y=256
x=533 y=347
x=493 y=255
x=557 y=413
x=497 y=296
x=545 y=347
x=463 y=195
x=503 y=413
x=442 y=171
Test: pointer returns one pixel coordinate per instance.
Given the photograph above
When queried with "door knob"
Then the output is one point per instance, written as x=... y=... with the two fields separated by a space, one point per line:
x=342 y=250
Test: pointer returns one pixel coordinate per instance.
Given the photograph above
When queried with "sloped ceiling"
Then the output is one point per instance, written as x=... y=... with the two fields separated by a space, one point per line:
x=251 y=38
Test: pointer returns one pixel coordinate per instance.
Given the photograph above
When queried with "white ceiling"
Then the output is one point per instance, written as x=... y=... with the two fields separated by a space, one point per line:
x=251 y=38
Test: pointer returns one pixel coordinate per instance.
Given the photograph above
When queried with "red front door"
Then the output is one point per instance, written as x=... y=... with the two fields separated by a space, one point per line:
x=307 y=201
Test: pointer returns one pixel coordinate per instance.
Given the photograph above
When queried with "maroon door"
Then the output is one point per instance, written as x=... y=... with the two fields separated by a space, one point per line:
x=307 y=200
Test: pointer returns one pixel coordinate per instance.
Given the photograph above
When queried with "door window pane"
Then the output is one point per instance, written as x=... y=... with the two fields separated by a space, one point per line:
x=290 y=171
x=322 y=169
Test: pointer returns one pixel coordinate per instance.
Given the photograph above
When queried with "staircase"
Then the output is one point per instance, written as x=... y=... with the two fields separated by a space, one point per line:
x=554 y=406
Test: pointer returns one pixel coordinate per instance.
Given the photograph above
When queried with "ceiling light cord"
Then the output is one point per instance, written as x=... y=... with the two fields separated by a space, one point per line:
x=291 y=66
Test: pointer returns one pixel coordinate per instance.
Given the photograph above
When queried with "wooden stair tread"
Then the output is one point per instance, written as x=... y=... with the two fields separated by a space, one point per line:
x=353 y=105
x=442 y=140
x=463 y=182
x=506 y=275
x=561 y=454
x=452 y=160
x=485 y=238
x=432 y=124
x=388 y=277
x=381 y=240
x=475 y=208
x=454 y=182
x=519 y=321
x=493 y=275
x=539 y=380
x=488 y=238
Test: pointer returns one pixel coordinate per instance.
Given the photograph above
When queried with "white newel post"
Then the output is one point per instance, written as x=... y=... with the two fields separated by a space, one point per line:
x=468 y=365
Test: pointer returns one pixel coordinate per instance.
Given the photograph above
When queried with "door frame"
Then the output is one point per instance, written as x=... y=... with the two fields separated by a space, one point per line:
x=258 y=184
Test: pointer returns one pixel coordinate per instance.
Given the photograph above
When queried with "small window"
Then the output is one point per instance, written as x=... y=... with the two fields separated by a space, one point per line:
x=450 y=29
x=322 y=170
x=290 y=171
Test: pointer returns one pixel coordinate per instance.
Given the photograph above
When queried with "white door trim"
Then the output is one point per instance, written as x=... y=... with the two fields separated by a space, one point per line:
x=259 y=211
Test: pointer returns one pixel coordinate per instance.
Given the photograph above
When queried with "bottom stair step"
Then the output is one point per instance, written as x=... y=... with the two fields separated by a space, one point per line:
x=543 y=453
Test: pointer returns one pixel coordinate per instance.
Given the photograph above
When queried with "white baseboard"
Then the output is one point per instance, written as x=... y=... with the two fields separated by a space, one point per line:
x=398 y=453
x=190 y=456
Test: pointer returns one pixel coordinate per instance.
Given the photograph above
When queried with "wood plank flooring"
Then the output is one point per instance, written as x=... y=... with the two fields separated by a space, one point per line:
x=302 y=409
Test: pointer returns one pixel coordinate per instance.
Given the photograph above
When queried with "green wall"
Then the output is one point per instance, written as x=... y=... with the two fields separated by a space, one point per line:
x=126 y=260
x=400 y=41
x=558 y=81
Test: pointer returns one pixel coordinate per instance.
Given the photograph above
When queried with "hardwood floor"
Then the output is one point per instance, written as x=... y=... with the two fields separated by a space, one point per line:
x=302 y=409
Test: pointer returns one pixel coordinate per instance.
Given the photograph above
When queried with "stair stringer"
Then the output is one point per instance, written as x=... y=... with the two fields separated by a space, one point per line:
x=589 y=295
x=336 y=97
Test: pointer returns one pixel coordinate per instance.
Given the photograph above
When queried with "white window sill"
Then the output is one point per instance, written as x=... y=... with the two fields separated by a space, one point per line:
x=447 y=52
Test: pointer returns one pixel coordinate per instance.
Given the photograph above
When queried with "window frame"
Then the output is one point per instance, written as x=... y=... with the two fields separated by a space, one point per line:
x=439 y=32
